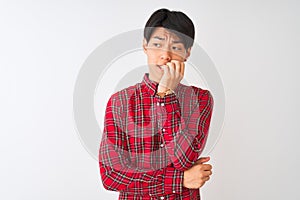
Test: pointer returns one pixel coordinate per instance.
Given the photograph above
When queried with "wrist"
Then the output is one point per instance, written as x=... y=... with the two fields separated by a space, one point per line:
x=166 y=92
x=161 y=89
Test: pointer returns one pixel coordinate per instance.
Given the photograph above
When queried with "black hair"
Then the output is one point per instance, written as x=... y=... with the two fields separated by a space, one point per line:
x=174 y=21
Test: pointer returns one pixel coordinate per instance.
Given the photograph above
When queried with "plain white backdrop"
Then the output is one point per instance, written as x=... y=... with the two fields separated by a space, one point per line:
x=254 y=44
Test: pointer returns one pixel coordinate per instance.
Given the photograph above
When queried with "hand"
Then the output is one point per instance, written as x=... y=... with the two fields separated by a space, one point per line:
x=173 y=74
x=198 y=174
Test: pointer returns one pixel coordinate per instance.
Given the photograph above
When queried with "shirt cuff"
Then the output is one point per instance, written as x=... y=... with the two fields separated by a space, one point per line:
x=173 y=182
x=170 y=102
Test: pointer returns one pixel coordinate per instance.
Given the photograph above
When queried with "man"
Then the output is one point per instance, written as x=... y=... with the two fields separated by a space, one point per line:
x=155 y=131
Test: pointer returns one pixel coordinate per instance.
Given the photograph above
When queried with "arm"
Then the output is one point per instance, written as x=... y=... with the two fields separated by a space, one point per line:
x=119 y=174
x=185 y=140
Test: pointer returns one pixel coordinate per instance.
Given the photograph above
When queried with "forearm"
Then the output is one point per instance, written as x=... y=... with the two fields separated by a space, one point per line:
x=153 y=183
x=183 y=143
x=185 y=138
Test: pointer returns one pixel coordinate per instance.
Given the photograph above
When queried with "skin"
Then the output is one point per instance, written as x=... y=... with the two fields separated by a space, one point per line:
x=165 y=58
x=166 y=55
x=198 y=174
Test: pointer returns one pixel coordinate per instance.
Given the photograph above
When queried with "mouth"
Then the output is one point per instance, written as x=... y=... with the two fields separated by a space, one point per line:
x=159 y=67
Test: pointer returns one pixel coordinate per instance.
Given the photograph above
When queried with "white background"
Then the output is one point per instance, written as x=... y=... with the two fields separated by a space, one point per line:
x=254 y=44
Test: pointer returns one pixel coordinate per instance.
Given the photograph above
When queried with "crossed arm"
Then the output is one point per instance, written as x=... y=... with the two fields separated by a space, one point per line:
x=184 y=141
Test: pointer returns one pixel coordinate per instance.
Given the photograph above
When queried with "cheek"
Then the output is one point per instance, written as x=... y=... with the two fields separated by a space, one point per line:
x=178 y=57
x=152 y=57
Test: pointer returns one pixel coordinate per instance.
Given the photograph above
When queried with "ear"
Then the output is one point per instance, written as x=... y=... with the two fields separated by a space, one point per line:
x=188 y=53
x=144 y=45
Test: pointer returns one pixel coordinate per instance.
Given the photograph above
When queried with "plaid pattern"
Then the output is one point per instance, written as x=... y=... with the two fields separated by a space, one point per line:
x=148 y=141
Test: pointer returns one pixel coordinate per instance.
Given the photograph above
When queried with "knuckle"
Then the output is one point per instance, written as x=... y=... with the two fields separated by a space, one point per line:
x=202 y=166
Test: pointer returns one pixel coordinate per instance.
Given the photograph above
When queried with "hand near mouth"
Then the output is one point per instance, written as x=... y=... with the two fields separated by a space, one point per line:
x=173 y=74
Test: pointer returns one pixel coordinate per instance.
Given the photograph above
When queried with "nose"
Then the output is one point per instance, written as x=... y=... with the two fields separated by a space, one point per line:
x=165 y=55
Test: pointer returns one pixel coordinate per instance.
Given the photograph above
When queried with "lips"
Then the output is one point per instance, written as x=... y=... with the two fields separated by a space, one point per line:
x=159 y=67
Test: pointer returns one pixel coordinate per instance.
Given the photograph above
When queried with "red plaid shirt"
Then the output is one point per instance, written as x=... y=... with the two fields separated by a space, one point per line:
x=148 y=141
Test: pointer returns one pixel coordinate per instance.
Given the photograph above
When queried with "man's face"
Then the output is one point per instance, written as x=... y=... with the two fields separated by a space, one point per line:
x=163 y=47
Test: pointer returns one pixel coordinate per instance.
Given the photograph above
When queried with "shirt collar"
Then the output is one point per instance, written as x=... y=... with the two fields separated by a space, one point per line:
x=150 y=85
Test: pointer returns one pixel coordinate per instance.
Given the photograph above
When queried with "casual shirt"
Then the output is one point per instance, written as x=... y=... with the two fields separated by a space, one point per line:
x=148 y=141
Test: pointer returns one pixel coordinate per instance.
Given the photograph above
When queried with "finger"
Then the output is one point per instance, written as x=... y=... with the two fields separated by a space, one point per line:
x=206 y=178
x=166 y=69
x=206 y=173
x=182 y=68
x=203 y=160
x=205 y=167
x=177 y=67
x=171 y=68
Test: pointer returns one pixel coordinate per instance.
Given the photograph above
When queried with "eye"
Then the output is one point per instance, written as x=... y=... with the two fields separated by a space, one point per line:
x=156 y=45
x=176 y=48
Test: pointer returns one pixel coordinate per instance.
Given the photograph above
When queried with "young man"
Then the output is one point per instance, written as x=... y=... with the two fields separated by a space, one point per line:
x=155 y=131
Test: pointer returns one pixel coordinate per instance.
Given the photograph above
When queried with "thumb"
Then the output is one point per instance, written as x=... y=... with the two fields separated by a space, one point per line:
x=203 y=160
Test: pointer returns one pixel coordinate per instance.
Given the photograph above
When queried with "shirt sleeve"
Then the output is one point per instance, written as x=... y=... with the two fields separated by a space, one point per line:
x=185 y=138
x=119 y=174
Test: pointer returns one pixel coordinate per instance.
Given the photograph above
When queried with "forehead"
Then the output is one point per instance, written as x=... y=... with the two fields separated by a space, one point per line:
x=164 y=33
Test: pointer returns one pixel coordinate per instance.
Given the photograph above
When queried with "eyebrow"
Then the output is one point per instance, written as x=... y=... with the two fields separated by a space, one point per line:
x=174 y=41
x=159 y=38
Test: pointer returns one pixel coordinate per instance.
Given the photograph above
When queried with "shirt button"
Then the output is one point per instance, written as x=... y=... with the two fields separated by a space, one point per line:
x=163 y=130
x=162 y=198
x=157 y=103
x=162 y=145
x=173 y=191
x=162 y=104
